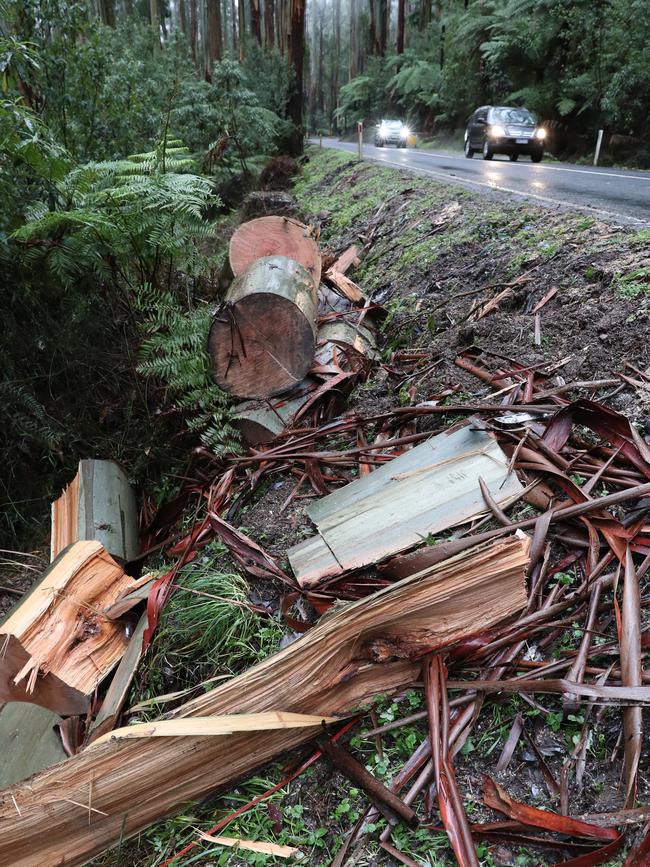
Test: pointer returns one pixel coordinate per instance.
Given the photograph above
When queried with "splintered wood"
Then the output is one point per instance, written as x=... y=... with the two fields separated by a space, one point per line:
x=424 y=491
x=97 y=504
x=369 y=647
x=61 y=627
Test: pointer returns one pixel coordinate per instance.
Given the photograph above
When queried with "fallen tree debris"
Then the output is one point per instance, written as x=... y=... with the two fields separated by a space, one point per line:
x=262 y=340
x=390 y=510
x=28 y=742
x=97 y=504
x=60 y=624
x=369 y=647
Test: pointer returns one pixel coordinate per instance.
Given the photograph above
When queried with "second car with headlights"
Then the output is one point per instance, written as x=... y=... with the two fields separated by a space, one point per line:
x=392 y=132
x=504 y=130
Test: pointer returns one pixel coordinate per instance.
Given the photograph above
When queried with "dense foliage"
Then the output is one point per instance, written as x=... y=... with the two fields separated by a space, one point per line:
x=581 y=65
x=115 y=142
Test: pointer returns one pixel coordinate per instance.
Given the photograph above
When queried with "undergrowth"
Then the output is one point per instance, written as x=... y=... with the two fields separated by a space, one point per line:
x=207 y=632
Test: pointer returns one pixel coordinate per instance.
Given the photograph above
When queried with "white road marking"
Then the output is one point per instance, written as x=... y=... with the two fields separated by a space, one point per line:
x=548 y=168
x=493 y=186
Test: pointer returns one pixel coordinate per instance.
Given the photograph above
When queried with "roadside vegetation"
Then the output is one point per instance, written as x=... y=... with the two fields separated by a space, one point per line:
x=434 y=249
x=128 y=143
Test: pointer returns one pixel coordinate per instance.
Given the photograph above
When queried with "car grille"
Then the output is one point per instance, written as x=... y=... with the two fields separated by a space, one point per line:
x=519 y=131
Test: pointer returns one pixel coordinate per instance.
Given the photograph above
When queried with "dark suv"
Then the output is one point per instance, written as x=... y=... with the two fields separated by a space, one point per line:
x=504 y=130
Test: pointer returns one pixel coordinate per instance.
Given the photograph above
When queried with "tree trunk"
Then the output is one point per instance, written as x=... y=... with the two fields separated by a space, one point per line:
x=262 y=342
x=194 y=32
x=182 y=13
x=241 y=15
x=339 y=665
x=425 y=14
x=233 y=22
x=401 y=17
x=154 y=18
x=214 y=35
x=374 y=41
x=107 y=12
x=337 y=62
x=321 y=70
x=353 y=68
x=269 y=24
x=314 y=83
x=296 y=57
x=163 y=22
x=279 y=26
x=256 y=22
x=384 y=9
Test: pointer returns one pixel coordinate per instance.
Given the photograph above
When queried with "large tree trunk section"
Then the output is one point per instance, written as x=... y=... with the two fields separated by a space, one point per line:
x=61 y=626
x=274 y=236
x=370 y=647
x=262 y=342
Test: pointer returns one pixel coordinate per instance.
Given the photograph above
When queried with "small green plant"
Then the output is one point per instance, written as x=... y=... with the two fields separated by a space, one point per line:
x=174 y=352
x=207 y=628
x=633 y=283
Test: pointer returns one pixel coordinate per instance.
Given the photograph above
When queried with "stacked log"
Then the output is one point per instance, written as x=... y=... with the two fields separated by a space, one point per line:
x=280 y=334
x=262 y=340
x=274 y=236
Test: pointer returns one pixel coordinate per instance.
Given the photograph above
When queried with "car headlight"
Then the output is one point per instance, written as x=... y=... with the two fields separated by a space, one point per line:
x=406 y=132
x=383 y=129
x=497 y=131
x=540 y=133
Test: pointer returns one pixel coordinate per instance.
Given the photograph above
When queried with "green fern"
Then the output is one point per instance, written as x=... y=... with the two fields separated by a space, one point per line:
x=174 y=352
x=131 y=221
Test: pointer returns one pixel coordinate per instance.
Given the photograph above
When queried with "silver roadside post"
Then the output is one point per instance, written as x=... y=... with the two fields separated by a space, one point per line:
x=360 y=138
x=599 y=142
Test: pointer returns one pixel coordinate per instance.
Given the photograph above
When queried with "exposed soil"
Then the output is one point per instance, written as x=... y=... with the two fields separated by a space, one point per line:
x=426 y=247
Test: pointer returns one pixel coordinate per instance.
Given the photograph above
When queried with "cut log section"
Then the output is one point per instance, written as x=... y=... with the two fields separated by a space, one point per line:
x=274 y=236
x=97 y=504
x=260 y=421
x=341 y=345
x=262 y=340
x=351 y=338
x=369 y=647
x=61 y=627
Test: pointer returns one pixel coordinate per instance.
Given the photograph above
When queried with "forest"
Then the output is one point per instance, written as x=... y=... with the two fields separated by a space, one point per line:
x=103 y=102
x=372 y=589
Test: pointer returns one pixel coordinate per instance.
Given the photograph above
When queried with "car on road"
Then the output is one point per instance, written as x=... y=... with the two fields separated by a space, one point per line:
x=501 y=129
x=392 y=132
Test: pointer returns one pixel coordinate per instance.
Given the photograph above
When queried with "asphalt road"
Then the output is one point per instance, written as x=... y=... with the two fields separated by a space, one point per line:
x=621 y=195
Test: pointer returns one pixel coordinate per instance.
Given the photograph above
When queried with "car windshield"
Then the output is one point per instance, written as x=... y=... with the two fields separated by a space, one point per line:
x=391 y=123
x=512 y=115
